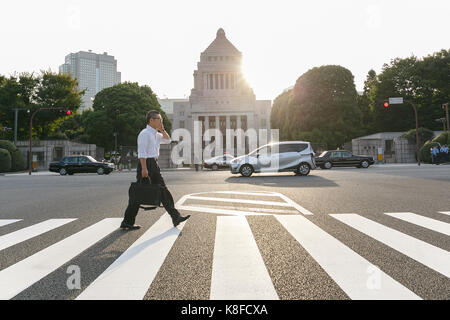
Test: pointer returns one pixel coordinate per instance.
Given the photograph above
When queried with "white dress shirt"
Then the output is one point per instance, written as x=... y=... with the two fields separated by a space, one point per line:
x=148 y=142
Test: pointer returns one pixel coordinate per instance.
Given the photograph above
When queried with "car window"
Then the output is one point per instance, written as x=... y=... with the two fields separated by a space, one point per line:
x=345 y=154
x=335 y=154
x=64 y=159
x=323 y=154
x=72 y=160
x=84 y=160
x=290 y=148
x=91 y=158
x=264 y=150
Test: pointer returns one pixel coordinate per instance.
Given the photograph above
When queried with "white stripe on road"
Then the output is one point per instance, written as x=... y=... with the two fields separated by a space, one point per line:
x=445 y=212
x=130 y=276
x=249 y=209
x=221 y=211
x=427 y=254
x=294 y=204
x=4 y=222
x=356 y=276
x=268 y=194
x=268 y=203
x=21 y=235
x=422 y=221
x=23 y=274
x=238 y=270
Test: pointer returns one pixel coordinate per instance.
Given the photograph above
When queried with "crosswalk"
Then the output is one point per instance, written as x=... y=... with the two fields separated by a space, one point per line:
x=238 y=267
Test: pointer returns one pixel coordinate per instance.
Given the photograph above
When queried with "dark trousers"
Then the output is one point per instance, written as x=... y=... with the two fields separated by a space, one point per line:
x=154 y=173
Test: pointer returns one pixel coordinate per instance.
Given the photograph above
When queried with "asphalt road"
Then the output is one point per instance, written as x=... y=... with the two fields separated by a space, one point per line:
x=270 y=236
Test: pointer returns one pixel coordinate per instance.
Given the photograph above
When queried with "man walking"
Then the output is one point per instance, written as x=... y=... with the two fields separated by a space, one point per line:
x=148 y=141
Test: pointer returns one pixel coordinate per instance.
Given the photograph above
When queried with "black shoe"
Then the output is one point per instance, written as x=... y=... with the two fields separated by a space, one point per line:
x=124 y=225
x=177 y=220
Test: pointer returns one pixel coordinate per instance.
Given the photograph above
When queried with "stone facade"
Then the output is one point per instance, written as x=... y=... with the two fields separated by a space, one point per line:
x=221 y=98
x=395 y=148
x=53 y=150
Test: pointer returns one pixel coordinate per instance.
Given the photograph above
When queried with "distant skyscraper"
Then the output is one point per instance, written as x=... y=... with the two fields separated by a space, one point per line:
x=94 y=73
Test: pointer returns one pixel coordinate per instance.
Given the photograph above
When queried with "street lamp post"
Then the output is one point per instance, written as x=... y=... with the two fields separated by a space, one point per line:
x=400 y=100
x=417 y=130
x=30 y=157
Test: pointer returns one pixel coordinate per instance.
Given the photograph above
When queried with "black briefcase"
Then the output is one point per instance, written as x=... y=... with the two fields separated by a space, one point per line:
x=146 y=194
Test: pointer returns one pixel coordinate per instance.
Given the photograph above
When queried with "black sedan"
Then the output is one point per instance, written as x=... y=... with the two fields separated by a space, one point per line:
x=342 y=158
x=80 y=164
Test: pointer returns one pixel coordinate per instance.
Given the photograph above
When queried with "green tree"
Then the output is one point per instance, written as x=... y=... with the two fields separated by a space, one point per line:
x=122 y=109
x=424 y=82
x=30 y=92
x=322 y=107
x=364 y=102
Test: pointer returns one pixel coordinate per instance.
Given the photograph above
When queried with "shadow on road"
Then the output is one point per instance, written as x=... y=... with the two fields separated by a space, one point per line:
x=309 y=181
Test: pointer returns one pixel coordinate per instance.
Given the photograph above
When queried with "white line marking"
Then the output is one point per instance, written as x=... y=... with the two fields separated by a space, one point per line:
x=445 y=212
x=24 y=234
x=248 y=209
x=350 y=271
x=238 y=271
x=294 y=204
x=268 y=203
x=23 y=274
x=268 y=194
x=130 y=276
x=422 y=221
x=5 y=222
x=427 y=254
x=221 y=211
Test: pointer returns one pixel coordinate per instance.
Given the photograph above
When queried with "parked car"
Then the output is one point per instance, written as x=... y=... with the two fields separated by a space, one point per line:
x=218 y=162
x=80 y=164
x=296 y=156
x=342 y=158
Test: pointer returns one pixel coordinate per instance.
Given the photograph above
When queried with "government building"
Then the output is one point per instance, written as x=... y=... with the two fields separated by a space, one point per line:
x=221 y=98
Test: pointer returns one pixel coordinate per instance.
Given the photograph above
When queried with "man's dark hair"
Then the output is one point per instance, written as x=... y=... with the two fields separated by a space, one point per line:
x=152 y=114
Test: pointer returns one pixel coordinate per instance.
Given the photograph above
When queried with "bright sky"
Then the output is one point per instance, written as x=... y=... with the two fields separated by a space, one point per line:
x=158 y=43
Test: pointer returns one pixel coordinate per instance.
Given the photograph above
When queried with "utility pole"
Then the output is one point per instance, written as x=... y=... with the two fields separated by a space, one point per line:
x=445 y=105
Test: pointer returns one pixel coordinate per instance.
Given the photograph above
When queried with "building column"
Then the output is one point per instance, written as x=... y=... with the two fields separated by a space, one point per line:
x=217 y=122
x=206 y=122
x=251 y=121
x=238 y=122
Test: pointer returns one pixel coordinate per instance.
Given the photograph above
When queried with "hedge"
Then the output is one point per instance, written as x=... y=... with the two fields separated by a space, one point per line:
x=5 y=160
x=442 y=138
x=17 y=161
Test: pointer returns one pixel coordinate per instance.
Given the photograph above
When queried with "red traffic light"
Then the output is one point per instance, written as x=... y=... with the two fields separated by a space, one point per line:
x=68 y=112
x=386 y=104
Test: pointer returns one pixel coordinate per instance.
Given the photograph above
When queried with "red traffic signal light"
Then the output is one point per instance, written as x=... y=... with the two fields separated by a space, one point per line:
x=68 y=112
x=386 y=104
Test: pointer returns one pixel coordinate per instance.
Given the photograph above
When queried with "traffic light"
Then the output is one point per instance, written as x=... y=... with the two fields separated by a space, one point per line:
x=68 y=112
x=386 y=104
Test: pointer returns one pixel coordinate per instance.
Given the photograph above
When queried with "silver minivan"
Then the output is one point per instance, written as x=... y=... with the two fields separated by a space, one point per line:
x=296 y=156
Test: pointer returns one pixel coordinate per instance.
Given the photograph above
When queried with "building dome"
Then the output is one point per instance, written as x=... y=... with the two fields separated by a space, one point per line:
x=221 y=46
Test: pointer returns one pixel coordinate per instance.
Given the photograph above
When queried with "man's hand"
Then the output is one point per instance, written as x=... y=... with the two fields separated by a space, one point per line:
x=144 y=173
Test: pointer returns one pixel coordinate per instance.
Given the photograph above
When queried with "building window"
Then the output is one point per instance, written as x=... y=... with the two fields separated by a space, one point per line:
x=216 y=80
x=181 y=123
x=232 y=81
x=221 y=81
x=211 y=82
x=226 y=80
x=263 y=123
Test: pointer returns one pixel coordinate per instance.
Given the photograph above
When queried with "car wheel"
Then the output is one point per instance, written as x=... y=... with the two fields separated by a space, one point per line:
x=215 y=167
x=100 y=171
x=62 y=171
x=365 y=164
x=246 y=170
x=303 y=169
x=327 y=165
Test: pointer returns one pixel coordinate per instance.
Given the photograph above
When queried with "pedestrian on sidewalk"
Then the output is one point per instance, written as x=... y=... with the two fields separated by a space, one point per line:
x=444 y=152
x=434 y=155
x=148 y=141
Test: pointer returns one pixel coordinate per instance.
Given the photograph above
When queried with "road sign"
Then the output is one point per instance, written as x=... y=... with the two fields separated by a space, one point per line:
x=398 y=100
